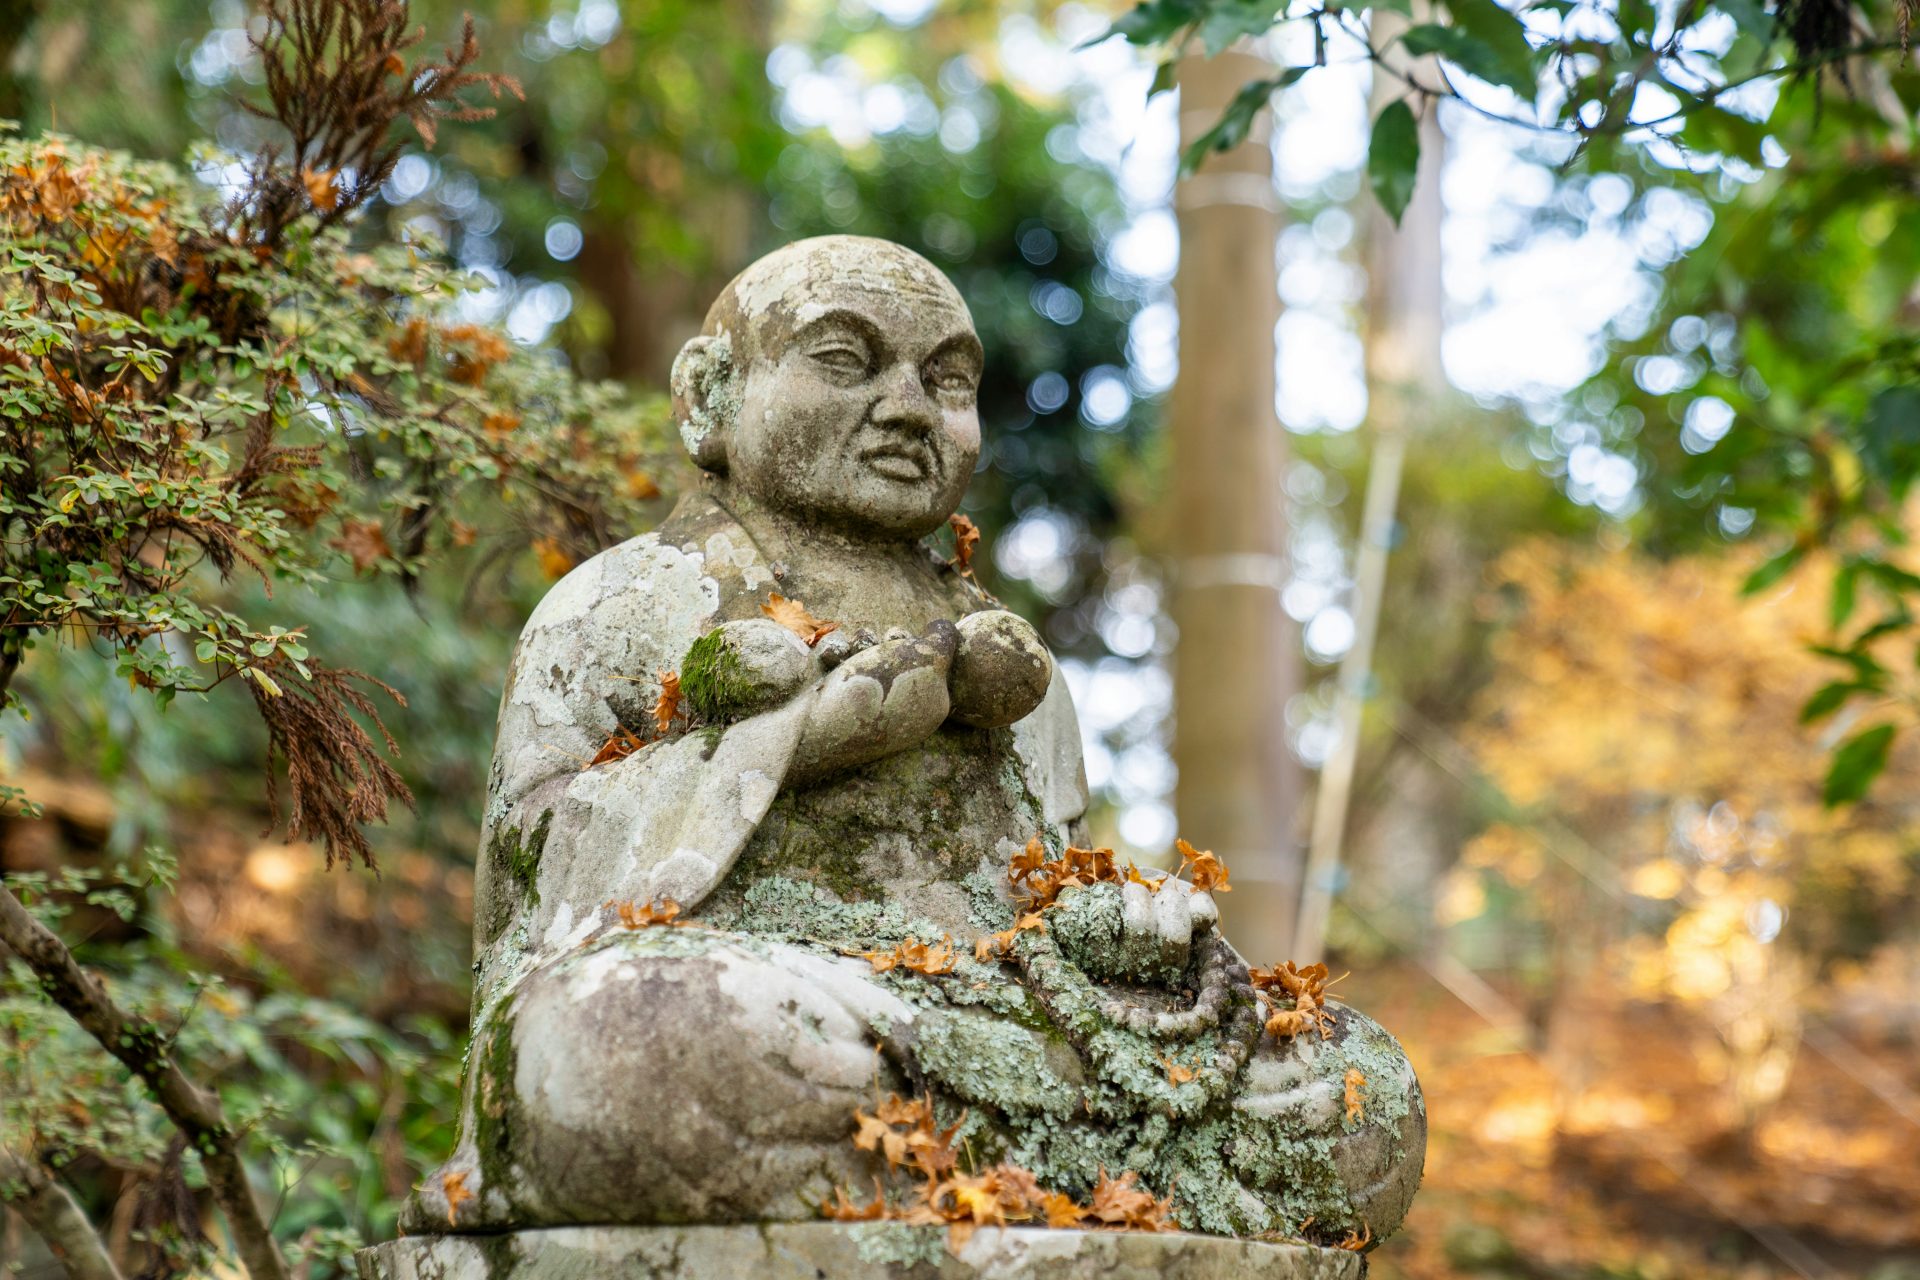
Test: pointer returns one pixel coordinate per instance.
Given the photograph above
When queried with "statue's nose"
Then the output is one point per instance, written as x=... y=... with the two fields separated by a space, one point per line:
x=904 y=404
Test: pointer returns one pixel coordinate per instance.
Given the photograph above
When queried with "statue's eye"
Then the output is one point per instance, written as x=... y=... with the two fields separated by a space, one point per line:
x=954 y=376
x=841 y=358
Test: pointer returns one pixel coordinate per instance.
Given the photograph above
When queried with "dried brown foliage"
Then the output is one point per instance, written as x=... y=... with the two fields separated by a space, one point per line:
x=966 y=537
x=997 y=946
x=793 y=615
x=647 y=915
x=1356 y=1105
x=668 y=705
x=1305 y=988
x=1040 y=880
x=1202 y=870
x=454 y=1187
x=618 y=746
x=337 y=779
x=338 y=80
x=914 y=956
x=904 y=1134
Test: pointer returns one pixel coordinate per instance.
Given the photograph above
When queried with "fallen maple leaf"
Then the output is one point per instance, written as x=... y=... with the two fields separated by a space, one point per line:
x=914 y=956
x=454 y=1187
x=998 y=945
x=617 y=747
x=1061 y=1210
x=1307 y=989
x=1355 y=1082
x=1119 y=1202
x=1027 y=862
x=1202 y=870
x=966 y=536
x=841 y=1209
x=646 y=915
x=793 y=615
x=667 y=705
x=1355 y=1241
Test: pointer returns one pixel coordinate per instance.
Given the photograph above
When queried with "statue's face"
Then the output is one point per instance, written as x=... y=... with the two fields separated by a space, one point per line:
x=858 y=400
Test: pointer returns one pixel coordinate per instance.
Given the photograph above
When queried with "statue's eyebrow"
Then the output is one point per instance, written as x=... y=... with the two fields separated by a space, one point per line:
x=964 y=341
x=848 y=318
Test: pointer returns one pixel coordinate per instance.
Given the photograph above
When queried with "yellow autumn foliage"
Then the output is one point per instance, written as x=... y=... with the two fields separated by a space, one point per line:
x=1669 y=830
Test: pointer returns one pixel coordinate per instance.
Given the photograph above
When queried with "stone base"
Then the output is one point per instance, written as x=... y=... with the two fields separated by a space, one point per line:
x=837 y=1251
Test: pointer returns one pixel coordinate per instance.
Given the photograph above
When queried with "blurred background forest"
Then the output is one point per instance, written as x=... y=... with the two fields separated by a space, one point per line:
x=1581 y=608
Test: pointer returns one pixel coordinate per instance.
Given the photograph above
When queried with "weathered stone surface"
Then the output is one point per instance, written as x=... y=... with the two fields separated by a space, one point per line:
x=829 y=796
x=864 y=1251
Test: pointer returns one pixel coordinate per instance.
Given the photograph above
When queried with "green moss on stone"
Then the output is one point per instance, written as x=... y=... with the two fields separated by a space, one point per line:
x=715 y=683
x=519 y=858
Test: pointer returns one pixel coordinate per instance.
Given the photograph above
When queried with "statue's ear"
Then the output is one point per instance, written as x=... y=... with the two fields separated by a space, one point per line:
x=705 y=399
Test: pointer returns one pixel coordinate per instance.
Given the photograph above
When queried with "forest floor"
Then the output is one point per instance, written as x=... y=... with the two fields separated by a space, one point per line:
x=1636 y=1174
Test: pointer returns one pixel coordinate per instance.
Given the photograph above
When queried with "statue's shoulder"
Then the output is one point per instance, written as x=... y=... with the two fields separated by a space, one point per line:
x=696 y=560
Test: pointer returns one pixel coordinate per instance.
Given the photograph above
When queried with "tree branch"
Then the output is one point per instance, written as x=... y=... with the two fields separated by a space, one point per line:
x=50 y=1209
x=196 y=1112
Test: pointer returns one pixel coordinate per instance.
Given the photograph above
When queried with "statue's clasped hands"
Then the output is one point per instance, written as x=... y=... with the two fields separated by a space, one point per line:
x=873 y=697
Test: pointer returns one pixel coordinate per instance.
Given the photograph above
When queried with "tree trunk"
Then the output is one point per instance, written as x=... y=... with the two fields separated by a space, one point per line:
x=1237 y=661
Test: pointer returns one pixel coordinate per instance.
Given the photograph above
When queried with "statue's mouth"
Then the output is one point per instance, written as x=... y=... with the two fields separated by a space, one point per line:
x=900 y=462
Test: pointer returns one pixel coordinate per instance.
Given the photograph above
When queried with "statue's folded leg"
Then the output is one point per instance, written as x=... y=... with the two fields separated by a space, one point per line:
x=667 y=1075
x=1333 y=1129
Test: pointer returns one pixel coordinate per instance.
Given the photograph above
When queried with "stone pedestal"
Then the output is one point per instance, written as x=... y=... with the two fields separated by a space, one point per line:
x=836 y=1251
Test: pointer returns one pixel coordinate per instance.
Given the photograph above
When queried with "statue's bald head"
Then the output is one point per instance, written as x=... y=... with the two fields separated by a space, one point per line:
x=763 y=309
x=839 y=343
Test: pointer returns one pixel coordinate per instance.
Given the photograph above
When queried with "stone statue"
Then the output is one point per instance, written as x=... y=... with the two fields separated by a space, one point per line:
x=823 y=793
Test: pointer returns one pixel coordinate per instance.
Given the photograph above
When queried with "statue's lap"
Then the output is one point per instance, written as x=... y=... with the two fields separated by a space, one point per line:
x=673 y=1074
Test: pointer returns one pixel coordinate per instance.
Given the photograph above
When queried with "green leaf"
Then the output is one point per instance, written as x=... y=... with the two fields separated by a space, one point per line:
x=1500 y=50
x=1393 y=158
x=1162 y=79
x=1856 y=764
x=1840 y=603
x=1829 y=698
x=1150 y=22
x=1230 y=20
x=1235 y=122
x=1773 y=570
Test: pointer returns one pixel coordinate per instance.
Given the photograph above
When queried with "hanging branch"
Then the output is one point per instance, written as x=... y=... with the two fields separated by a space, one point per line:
x=338 y=82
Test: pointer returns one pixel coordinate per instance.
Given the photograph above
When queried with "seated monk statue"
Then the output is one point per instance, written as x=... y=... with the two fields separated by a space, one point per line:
x=766 y=775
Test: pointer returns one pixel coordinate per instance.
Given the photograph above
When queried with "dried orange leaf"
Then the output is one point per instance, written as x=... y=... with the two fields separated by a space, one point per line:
x=1202 y=870
x=642 y=916
x=320 y=188
x=617 y=747
x=667 y=705
x=966 y=537
x=454 y=1187
x=1355 y=1082
x=793 y=615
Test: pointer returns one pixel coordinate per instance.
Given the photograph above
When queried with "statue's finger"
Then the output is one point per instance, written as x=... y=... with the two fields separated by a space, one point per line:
x=1137 y=941
x=1173 y=921
x=1205 y=911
